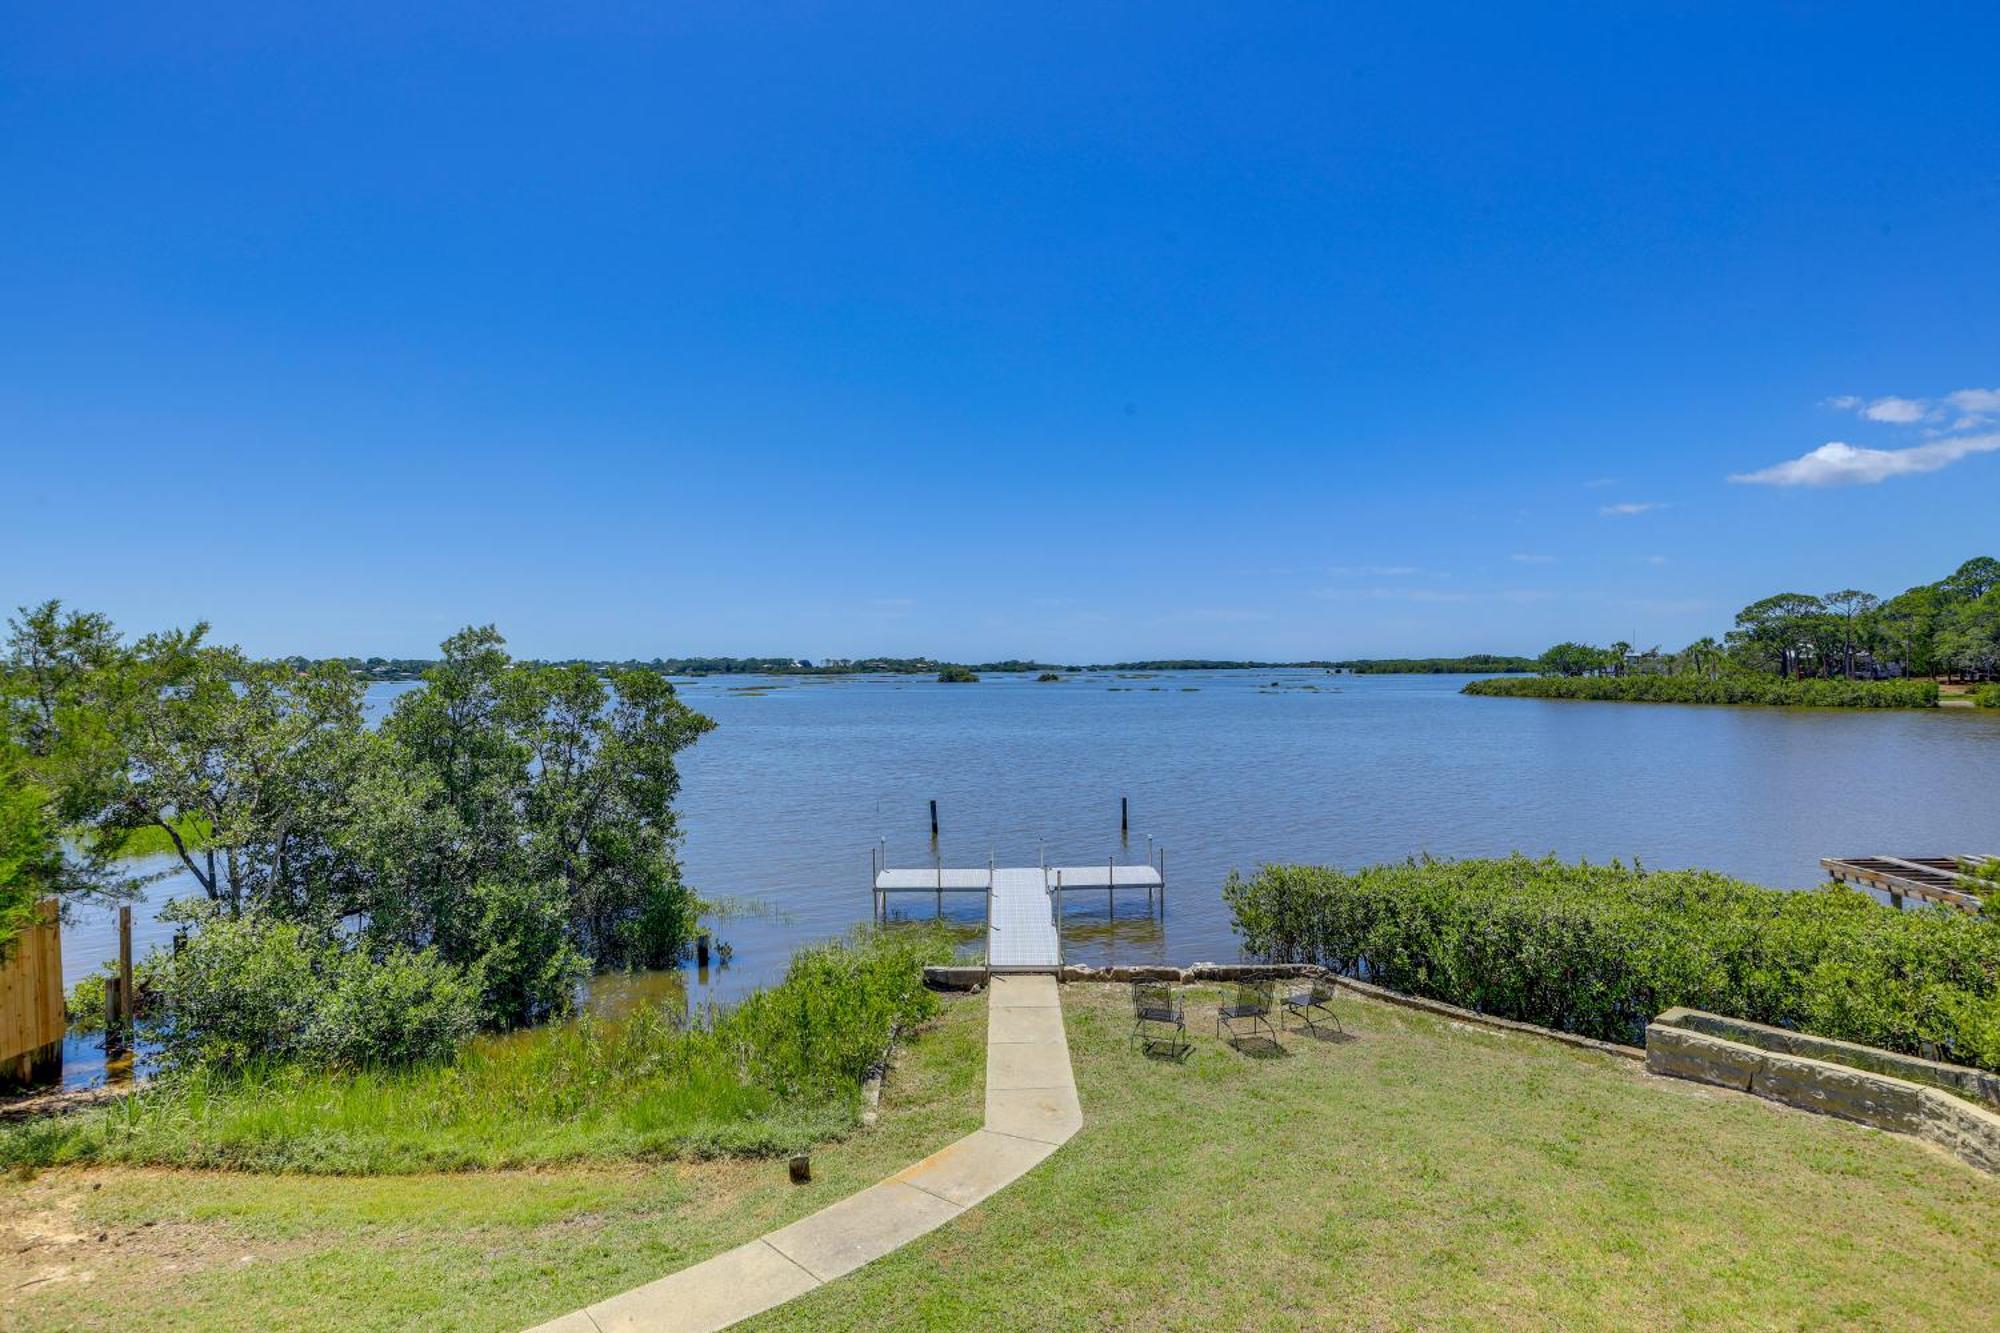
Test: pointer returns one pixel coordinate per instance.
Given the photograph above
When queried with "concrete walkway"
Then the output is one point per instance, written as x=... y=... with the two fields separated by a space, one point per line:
x=1031 y=1110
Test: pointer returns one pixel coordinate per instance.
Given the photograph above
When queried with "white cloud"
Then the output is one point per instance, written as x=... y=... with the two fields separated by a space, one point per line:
x=1631 y=507
x=1838 y=464
x=1896 y=411
x=1975 y=401
x=1524 y=558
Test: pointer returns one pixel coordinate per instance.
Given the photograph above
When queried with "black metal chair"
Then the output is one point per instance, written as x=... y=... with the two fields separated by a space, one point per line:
x=1159 y=1024
x=1251 y=1009
x=1313 y=1005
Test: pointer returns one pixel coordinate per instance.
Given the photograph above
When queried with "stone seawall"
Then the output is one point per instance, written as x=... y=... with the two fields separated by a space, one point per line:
x=1769 y=1062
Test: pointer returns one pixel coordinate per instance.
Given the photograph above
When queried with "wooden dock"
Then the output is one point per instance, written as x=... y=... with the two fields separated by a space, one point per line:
x=1024 y=904
x=1929 y=879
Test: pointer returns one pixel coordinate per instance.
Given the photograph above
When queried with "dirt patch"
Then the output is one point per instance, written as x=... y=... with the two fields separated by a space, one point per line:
x=49 y=1238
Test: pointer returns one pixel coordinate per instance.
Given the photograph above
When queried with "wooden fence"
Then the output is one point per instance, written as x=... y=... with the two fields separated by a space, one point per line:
x=31 y=1003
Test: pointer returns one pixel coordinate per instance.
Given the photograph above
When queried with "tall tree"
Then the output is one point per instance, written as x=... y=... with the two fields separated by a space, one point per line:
x=1774 y=633
x=1850 y=608
x=65 y=681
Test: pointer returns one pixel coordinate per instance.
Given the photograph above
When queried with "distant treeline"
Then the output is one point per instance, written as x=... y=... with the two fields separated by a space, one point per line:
x=1475 y=664
x=1947 y=628
x=1735 y=688
x=413 y=668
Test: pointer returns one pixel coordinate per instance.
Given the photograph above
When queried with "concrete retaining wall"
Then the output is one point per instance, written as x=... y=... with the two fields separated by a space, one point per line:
x=1973 y=1084
x=1769 y=1062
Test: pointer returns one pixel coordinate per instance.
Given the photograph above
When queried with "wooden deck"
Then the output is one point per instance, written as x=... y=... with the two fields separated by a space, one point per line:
x=1930 y=879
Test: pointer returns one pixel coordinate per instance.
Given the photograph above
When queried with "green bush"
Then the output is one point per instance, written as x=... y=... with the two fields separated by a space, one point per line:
x=84 y=1005
x=1987 y=696
x=958 y=675
x=248 y=991
x=826 y=1024
x=1725 y=689
x=1599 y=950
x=528 y=969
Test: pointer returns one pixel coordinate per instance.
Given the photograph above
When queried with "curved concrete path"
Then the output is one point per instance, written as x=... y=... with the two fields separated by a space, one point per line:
x=1031 y=1110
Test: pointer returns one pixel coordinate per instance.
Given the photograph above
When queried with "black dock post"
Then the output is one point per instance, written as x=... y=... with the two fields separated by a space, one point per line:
x=933 y=821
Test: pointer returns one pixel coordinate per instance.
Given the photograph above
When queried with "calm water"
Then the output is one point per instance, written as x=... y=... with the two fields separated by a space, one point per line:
x=783 y=801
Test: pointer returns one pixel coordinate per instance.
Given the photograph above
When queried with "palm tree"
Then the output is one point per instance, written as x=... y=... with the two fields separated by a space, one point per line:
x=1703 y=658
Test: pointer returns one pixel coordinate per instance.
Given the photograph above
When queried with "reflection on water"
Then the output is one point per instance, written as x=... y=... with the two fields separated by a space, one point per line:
x=86 y=1063
x=617 y=996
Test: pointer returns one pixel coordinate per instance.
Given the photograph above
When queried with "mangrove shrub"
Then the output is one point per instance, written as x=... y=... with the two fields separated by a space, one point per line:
x=1600 y=949
x=245 y=991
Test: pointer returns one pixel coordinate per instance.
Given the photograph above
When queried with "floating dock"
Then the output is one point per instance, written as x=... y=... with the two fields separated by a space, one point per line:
x=1930 y=879
x=1024 y=904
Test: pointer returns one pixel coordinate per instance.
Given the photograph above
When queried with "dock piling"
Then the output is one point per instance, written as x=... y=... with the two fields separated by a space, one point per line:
x=125 y=963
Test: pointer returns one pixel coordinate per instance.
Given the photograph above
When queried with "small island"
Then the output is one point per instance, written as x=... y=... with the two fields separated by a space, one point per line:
x=958 y=675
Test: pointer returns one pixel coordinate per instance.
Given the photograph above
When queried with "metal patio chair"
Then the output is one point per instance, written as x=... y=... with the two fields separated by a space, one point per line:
x=1159 y=1024
x=1250 y=1009
x=1313 y=1005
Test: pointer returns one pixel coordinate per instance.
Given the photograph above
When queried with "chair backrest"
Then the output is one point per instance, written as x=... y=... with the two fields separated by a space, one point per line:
x=1254 y=995
x=1152 y=997
x=1322 y=991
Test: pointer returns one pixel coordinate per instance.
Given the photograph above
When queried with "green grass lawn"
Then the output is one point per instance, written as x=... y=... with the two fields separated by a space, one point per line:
x=1421 y=1174
x=1430 y=1174
x=474 y=1250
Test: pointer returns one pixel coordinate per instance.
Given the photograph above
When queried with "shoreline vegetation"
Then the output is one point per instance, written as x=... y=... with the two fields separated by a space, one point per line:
x=1846 y=649
x=413 y=669
x=1600 y=950
x=778 y=1073
x=1746 y=689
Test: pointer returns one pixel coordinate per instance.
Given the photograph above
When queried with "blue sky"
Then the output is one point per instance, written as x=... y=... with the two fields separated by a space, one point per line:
x=1074 y=331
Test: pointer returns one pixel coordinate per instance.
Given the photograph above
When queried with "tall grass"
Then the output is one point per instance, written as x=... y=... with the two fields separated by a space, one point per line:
x=775 y=1074
x=1733 y=689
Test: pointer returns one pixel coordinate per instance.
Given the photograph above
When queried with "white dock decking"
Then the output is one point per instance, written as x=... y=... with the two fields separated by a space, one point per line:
x=1024 y=930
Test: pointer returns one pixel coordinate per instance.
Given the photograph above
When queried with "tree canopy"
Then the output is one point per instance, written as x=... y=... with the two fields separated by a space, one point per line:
x=1951 y=627
x=514 y=819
